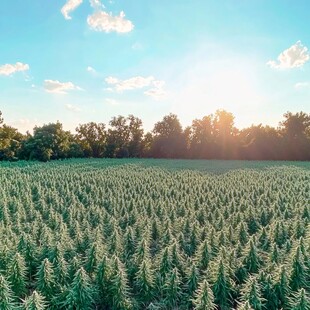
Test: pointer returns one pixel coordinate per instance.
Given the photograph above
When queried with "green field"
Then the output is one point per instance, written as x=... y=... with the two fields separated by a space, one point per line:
x=154 y=234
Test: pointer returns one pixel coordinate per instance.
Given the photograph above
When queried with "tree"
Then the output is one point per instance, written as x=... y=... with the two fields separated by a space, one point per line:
x=201 y=139
x=135 y=136
x=118 y=137
x=296 y=128
x=147 y=144
x=10 y=143
x=295 y=125
x=224 y=133
x=260 y=142
x=169 y=141
x=48 y=142
x=92 y=139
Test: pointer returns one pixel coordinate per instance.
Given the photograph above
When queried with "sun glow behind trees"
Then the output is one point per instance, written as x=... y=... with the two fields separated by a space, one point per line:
x=211 y=137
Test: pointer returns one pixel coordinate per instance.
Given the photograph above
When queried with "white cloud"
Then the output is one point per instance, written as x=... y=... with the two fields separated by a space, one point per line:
x=157 y=92
x=70 y=6
x=72 y=108
x=302 y=85
x=9 y=69
x=59 y=87
x=129 y=84
x=294 y=57
x=91 y=70
x=105 y=22
x=111 y=80
x=138 y=82
x=96 y=4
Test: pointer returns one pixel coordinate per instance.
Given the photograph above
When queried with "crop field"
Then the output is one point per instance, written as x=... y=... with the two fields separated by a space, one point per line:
x=154 y=234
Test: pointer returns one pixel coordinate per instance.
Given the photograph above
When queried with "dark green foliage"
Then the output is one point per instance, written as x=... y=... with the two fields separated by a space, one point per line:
x=126 y=234
x=102 y=280
x=192 y=281
x=204 y=299
x=17 y=275
x=244 y=306
x=6 y=295
x=34 y=302
x=145 y=282
x=80 y=295
x=222 y=288
x=172 y=289
x=298 y=271
x=252 y=260
x=300 y=301
x=203 y=255
x=282 y=289
x=251 y=292
x=46 y=282
x=119 y=289
x=213 y=136
x=243 y=235
x=269 y=293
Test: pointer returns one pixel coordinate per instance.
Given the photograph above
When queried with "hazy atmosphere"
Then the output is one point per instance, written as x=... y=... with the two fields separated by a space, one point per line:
x=78 y=61
x=154 y=155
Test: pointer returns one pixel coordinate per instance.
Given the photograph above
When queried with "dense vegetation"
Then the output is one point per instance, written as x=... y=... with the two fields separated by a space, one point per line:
x=136 y=234
x=212 y=137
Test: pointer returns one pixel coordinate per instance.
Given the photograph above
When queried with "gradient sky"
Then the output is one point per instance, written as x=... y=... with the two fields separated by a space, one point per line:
x=77 y=61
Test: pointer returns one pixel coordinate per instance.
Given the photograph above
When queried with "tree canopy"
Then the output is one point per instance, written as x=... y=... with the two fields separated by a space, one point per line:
x=211 y=137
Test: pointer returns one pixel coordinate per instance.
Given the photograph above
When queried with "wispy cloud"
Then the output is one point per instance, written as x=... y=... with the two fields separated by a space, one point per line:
x=72 y=108
x=294 y=57
x=138 y=82
x=96 y=4
x=130 y=84
x=302 y=85
x=9 y=69
x=69 y=7
x=105 y=22
x=111 y=101
x=157 y=92
x=54 y=86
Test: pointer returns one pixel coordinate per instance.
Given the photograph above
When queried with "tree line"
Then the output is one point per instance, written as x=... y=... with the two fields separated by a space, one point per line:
x=211 y=137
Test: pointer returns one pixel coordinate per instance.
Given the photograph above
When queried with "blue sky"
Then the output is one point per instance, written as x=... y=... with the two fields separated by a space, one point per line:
x=78 y=60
